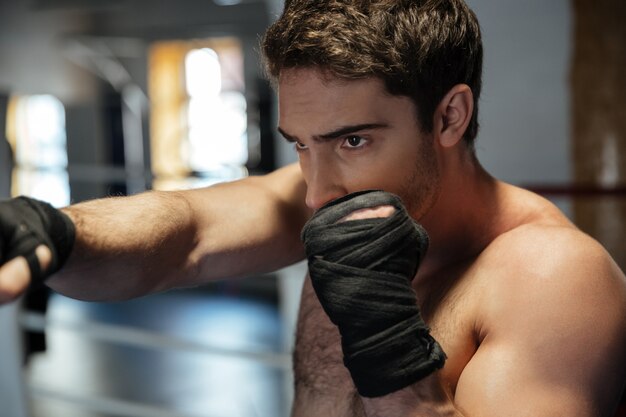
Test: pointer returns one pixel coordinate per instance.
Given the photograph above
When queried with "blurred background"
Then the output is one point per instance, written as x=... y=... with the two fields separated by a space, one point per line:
x=118 y=97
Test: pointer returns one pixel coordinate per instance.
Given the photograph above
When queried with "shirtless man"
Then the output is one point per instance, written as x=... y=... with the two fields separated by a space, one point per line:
x=530 y=312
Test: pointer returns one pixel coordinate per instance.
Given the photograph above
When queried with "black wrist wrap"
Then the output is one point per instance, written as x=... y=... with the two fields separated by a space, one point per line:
x=361 y=271
x=25 y=223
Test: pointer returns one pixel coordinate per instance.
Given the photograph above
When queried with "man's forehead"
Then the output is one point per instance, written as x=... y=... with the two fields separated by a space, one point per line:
x=310 y=90
x=291 y=75
x=299 y=75
x=313 y=102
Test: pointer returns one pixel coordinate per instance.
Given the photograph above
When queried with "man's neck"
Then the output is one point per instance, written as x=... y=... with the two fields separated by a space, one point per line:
x=465 y=217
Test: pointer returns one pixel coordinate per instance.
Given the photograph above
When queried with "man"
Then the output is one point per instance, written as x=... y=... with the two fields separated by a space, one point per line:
x=375 y=95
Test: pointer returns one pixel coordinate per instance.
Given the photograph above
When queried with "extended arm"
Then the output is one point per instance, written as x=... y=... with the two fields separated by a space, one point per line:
x=131 y=246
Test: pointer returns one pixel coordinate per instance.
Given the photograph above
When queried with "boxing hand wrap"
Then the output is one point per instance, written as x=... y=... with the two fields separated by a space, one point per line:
x=26 y=223
x=361 y=271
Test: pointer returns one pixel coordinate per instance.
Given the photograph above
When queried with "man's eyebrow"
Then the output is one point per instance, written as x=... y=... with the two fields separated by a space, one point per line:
x=350 y=129
x=338 y=132
x=287 y=136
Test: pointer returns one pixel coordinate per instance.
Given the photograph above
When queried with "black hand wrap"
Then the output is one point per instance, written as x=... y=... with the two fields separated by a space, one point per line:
x=361 y=271
x=26 y=223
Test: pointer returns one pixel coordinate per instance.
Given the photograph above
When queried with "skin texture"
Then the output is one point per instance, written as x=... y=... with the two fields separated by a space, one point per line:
x=508 y=355
x=530 y=311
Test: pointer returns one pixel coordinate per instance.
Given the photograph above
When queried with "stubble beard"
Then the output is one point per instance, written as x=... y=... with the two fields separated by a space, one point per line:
x=422 y=186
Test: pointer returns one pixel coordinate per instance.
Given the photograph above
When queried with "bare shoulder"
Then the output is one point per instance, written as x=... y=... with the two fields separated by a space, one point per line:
x=550 y=261
x=552 y=251
x=248 y=226
x=546 y=246
x=555 y=301
x=261 y=194
x=287 y=180
x=540 y=249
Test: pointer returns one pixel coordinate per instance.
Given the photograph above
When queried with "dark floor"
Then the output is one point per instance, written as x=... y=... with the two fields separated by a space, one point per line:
x=190 y=383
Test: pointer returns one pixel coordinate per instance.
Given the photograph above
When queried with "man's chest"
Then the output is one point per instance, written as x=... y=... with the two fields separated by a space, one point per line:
x=323 y=382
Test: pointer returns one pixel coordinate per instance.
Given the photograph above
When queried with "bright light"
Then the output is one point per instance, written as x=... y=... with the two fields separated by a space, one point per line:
x=203 y=73
x=41 y=154
x=50 y=186
x=45 y=116
x=216 y=119
x=41 y=140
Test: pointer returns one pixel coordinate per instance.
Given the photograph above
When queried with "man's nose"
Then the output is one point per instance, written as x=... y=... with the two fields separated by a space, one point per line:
x=323 y=187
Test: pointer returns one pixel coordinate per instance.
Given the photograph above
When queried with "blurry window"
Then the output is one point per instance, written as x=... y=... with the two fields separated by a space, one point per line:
x=198 y=112
x=36 y=132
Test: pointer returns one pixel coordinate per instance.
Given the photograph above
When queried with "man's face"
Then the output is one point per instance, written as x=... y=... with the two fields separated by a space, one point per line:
x=352 y=136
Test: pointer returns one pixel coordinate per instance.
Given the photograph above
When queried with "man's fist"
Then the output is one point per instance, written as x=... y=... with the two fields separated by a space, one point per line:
x=35 y=241
x=363 y=251
x=15 y=274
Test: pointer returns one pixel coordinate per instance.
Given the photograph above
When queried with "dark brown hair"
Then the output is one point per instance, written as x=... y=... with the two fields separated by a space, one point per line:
x=420 y=49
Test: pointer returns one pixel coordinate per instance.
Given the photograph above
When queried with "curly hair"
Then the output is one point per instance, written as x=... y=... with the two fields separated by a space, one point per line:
x=419 y=48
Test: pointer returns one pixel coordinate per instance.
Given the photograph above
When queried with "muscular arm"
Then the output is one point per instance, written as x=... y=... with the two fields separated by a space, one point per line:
x=552 y=337
x=426 y=398
x=131 y=246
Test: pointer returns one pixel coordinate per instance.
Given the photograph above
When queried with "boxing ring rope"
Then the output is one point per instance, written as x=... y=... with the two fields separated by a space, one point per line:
x=146 y=339
x=125 y=335
x=132 y=337
x=109 y=406
x=577 y=191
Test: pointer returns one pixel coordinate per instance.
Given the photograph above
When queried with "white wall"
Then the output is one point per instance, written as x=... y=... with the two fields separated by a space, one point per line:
x=524 y=114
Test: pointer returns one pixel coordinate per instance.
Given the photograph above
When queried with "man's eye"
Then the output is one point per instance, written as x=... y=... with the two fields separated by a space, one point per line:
x=354 y=141
x=300 y=146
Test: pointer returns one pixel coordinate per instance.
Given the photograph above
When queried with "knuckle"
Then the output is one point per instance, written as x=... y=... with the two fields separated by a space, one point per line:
x=8 y=295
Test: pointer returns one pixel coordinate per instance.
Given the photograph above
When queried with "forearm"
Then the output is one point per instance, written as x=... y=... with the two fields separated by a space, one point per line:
x=131 y=246
x=127 y=246
x=426 y=398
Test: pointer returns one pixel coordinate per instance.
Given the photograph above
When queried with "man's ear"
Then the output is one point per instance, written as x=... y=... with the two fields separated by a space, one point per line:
x=453 y=114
